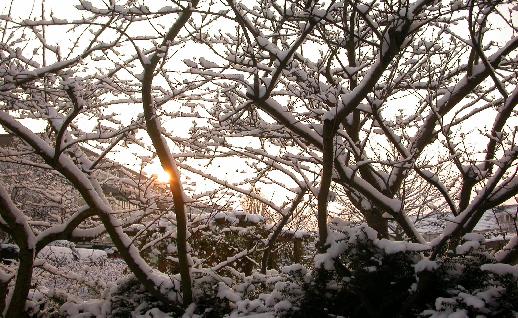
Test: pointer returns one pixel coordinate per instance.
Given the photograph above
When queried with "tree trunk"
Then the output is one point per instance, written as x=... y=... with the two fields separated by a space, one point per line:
x=377 y=222
x=325 y=183
x=298 y=250
x=511 y=257
x=16 y=304
x=3 y=294
x=162 y=150
x=278 y=230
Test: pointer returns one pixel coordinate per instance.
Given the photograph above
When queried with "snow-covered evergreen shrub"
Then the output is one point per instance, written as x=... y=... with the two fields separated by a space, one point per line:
x=469 y=283
x=362 y=276
x=213 y=297
x=129 y=298
x=217 y=237
x=276 y=292
x=358 y=277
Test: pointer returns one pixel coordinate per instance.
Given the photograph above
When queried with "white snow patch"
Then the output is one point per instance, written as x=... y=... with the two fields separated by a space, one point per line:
x=94 y=307
x=59 y=253
x=392 y=247
x=425 y=265
x=472 y=301
x=467 y=247
x=226 y=292
x=282 y=306
x=474 y=237
x=501 y=269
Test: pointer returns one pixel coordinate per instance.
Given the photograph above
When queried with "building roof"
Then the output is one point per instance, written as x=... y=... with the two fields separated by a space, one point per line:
x=491 y=219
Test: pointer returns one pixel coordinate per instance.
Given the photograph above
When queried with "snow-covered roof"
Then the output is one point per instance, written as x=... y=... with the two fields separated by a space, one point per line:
x=491 y=220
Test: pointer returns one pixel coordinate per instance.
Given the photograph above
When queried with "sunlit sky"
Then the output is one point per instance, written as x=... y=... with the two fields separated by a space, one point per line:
x=64 y=9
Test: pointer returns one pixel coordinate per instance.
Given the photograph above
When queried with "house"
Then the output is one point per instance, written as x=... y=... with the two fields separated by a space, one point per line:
x=497 y=225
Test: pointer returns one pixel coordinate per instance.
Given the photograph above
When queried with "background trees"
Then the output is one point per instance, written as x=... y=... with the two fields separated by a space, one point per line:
x=373 y=102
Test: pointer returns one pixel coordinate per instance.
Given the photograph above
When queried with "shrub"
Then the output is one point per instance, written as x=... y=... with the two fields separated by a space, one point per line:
x=362 y=276
x=129 y=297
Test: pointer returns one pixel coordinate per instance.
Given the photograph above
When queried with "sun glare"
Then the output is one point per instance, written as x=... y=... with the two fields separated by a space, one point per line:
x=163 y=176
x=154 y=169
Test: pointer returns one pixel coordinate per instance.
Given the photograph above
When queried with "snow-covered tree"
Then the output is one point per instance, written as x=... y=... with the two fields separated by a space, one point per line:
x=342 y=83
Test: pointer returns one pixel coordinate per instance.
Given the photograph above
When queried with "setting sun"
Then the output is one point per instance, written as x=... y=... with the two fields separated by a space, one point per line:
x=158 y=173
x=162 y=176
